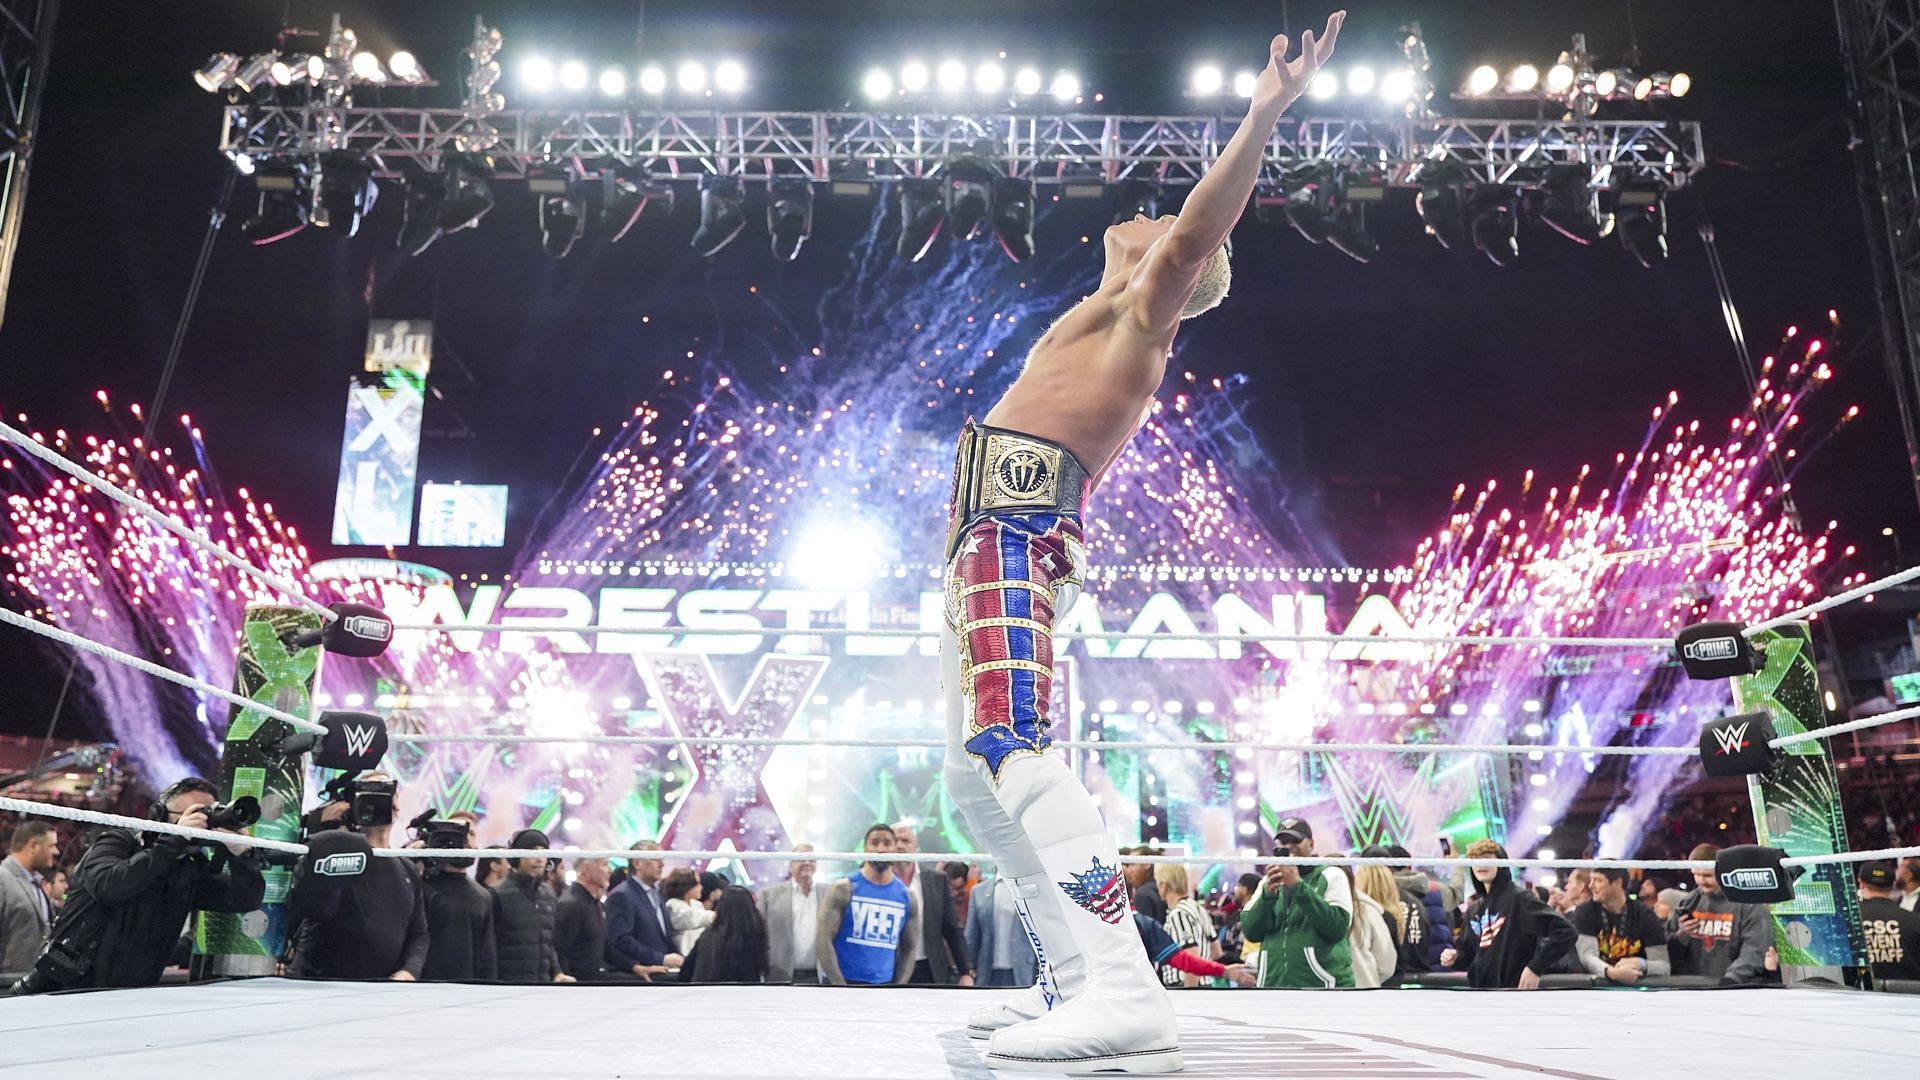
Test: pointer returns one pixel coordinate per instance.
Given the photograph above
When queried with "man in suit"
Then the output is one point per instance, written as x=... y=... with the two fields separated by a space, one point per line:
x=638 y=938
x=940 y=954
x=25 y=909
x=1002 y=953
x=791 y=909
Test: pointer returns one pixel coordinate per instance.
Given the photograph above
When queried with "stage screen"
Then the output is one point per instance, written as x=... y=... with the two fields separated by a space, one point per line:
x=463 y=515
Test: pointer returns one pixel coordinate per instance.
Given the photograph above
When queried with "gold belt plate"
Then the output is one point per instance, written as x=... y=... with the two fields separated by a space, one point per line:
x=1019 y=473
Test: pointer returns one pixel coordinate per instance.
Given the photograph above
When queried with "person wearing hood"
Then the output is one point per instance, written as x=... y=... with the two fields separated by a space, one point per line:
x=523 y=917
x=1423 y=914
x=1510 y=937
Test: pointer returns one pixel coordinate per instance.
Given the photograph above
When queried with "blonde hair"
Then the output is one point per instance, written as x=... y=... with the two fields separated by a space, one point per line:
x=1216 y=274
x=1173 y=876
x=1377 y=882
x=1485 y=849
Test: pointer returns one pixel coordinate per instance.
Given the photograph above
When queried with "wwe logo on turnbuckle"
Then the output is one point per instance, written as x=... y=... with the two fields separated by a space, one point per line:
x=359 y=739
x=1731 y=738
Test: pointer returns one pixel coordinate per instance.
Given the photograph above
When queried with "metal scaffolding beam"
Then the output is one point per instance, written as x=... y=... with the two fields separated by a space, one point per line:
x=1049 y=149
x=1881 y=42
x=26 y=40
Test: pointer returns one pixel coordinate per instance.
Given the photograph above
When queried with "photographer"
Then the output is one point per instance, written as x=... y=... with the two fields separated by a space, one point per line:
x=133 y=891
x=360 y=916
x=523 y=917
x=459 y=912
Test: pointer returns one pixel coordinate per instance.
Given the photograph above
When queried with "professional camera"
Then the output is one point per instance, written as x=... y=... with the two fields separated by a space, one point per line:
x=372 y=802
x=239 y=815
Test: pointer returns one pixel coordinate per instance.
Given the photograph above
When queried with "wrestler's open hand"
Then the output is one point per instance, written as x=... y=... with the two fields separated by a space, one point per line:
x=1284 y=81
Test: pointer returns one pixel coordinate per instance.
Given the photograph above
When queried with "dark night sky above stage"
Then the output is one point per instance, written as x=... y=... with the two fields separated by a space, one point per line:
x=1378 y=387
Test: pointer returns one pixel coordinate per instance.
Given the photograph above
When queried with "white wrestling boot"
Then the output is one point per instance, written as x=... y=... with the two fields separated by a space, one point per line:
x=1057 y=978
x=1122 y=1020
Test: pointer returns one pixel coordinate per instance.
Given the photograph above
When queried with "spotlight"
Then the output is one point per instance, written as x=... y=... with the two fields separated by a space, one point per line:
x=563 y=213
x=1206 y=80
x=1310 y=196
x=1324 y=85
x=789 y=216
x=1348 y=223
x=298 y=68
x=426 y=196
x=653 y=80
x=366 y=68
x=1483 y=80
x=969 y=195
x=1641 y=215
x=922 y=215
x=914 y=76
x=1360 y=81
x=1442 y=202
x=1523 y=79
x=1643 y=89
x=989 y=77
x=1495 y=223
x=1027 y=82
x=573 y=76
x=1269 y=205
x=1569 y=205
x=1397 y=87
x=629 y=198
x=537 y=74
x=1065 y=87
x=877 y=85
x=282 y=209
x=469 y=196
x=1560 y=78
x=613 y=83
x=1661 y=84
x=952 y=76
x=1244 y=84
x=1608 y=83
x=347 y=191
x=1680 y=84
x=217 y=73
x=692 y=77
x=729 y=77
x=405 y=67
x=721 y=216
x=1013 y=216
x=255 y=72
x=242 y=162
x=1136 y=198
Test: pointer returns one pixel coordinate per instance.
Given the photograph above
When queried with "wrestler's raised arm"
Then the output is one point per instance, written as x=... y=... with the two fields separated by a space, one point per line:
x=1164 y=280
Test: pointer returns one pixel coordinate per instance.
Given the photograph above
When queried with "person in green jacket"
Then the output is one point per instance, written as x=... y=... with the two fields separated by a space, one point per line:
x=1300 y=916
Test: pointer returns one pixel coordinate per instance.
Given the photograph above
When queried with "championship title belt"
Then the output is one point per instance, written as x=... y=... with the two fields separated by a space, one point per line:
x=998 y=471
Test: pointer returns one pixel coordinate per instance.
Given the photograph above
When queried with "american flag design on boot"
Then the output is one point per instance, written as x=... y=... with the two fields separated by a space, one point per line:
x=1100 y=890
x=1000 y=596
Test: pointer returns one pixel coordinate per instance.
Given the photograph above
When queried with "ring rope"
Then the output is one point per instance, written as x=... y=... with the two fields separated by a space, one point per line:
x=155 y=670
x=94 y=817
x=140 y=506
x=1836 y=600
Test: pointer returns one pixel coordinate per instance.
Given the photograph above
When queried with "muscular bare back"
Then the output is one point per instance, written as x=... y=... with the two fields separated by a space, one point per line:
x=1089 y=380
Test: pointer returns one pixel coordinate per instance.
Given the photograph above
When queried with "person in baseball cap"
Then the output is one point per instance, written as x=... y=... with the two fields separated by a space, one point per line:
x=1892 y=932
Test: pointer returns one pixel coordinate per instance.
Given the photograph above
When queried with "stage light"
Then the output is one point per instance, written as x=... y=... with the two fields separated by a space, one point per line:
x=1309 y=200
x=298 y=68
x=914 y=76
x=563 y=214
x=1136 y=198
x=347 y=191
x=969 y=196
x=629 y=198
x=425 y=197
x=1661 y=84
x=1324 y=85
x=1494 y=221
x=242 y=162
x=691 y=77
x=1360 y=81
x=1442 y=203
x=217 y=73
x=1560 y=78
x=834 y=554
x=1013 y=216
x=613 y=83
x=952 y=76
x=1640 y=214
x=729 y=77
x=255 y=72
x=1065 y=87
x=469 y=195
x=405 y=66
x=989 y=77
x=573 y=76
x=366 y=67
x=1523 y=79
x=282 y=209
x=1570 y=206
x=789 y=216
x=1244 y=84
x=721 y=215
x=877 y=85
x=1483 y=80
x=1643 y=89
x=1347 y=224
x=922 y=215
x=536 y=73
x=653 y=80
x=1206 y=80
x=1680 y=84
x=1397 y=87
x=1027 y=82
x=1607 y=84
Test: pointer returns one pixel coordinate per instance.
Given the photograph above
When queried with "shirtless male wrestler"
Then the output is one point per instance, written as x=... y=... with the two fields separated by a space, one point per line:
x=1016 y=560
